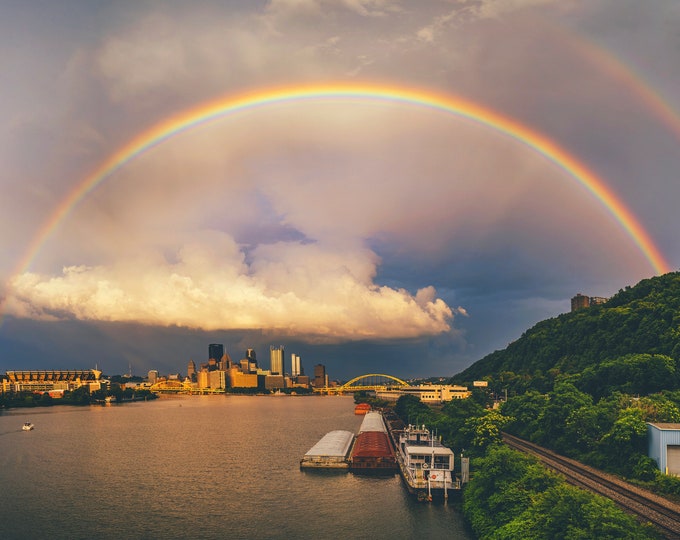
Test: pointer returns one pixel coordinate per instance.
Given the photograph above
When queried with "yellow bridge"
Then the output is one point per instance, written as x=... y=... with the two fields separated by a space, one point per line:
x=179 y=387
x=372 y=381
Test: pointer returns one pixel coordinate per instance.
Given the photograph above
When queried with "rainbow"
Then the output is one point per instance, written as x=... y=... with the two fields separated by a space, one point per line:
x=445 y=103
x=626 y=76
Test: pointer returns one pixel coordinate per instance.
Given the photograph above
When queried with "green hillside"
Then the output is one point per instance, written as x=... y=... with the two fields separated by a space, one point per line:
x=631 y=344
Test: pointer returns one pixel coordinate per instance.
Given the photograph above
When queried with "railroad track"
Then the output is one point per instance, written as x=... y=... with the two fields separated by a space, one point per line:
x=647 y=506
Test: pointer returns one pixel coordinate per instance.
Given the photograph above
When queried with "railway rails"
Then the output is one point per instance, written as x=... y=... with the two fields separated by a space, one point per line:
x=647 y=506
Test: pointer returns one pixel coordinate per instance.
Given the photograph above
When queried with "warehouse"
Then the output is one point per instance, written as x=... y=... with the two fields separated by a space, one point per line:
x=664 y=447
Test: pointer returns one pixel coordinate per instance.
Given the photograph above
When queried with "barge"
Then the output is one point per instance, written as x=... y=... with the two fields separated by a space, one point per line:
x=373 y=452
x=426 y=465
x=331 y=452
x=362 y=408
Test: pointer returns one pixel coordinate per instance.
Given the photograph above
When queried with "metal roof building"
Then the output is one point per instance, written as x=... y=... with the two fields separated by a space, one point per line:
x=664 y=446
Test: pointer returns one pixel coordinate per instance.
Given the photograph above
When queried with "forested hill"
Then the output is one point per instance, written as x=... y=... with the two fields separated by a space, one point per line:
x=636 y=329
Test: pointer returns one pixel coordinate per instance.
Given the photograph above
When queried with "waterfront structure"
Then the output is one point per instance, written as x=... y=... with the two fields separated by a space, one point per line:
x=664 y=446
x=294 y=365
x=215 y=351
x=274 y=382
x=203 y=379
x=238 y=379
x=152 y=376
x=51 y=380
x=276 y=359
x=427 y=393
x=217 y=379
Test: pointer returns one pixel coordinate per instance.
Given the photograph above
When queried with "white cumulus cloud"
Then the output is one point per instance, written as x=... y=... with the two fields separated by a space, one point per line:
x=304 y=290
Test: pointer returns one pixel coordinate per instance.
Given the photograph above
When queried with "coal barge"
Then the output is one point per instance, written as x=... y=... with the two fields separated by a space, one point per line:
x=373 y=452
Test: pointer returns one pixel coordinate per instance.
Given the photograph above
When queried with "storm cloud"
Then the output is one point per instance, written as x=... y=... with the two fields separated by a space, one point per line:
x=330 y=223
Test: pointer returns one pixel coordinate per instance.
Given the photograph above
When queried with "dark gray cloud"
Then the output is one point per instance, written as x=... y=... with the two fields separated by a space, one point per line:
x=364 y=235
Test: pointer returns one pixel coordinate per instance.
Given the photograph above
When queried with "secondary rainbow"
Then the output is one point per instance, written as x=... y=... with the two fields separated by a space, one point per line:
x=445 y=103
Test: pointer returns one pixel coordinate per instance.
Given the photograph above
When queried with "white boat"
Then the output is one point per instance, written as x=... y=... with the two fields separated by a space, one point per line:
x=27 y=426
x=426 y=464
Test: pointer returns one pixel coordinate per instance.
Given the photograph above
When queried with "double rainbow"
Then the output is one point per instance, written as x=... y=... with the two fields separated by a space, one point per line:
x=445 y=103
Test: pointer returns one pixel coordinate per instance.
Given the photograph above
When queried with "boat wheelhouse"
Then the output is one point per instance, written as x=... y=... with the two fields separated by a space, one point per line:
x=426 y=464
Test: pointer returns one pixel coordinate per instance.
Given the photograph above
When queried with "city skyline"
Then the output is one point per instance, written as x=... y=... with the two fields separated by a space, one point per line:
x=393 y=187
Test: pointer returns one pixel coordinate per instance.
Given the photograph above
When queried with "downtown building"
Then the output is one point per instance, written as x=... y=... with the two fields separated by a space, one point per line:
x=295 y=365
x=427 y=393
x=276 y=359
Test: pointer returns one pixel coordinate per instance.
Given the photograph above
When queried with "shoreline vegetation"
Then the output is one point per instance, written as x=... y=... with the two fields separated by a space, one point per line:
x=81 y=396
x=78 y=397
x=512 y=495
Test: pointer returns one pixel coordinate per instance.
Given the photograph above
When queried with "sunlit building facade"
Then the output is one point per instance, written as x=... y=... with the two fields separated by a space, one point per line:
x=50 y=380
x=294 y=365
x=427 y=393
x=276 y=358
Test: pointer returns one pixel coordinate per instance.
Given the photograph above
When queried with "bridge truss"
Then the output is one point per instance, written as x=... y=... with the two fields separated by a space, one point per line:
x=179 y=387
x=369 y=382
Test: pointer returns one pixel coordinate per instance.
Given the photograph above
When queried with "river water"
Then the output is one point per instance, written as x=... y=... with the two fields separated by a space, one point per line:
x=198 y=467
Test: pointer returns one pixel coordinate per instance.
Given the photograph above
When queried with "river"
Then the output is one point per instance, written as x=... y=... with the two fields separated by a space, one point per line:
x=200 y=467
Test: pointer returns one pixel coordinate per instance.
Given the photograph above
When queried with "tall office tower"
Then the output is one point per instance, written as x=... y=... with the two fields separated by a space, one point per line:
x=295 y=365
x=319 y=375
x=276 y=357
x=191 y=370
x=225 y=362
x=251 y=356
x=215 y=351
x=153 y=376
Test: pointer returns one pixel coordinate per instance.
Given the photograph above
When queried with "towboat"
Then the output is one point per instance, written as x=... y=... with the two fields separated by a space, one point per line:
x=27 y=426
x=426 y=465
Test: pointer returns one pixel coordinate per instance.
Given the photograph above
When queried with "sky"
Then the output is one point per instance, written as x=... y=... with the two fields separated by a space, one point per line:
x=407 y=187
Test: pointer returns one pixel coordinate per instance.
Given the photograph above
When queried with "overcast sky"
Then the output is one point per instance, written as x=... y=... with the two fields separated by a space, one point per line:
x=364 y=234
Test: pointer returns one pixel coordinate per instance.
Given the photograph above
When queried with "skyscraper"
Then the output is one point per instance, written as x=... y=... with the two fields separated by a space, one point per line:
x=276 y=358
x=152 y=376
x=320 y=377
x=191 y=370
x=215 y=351
x=225 y=362
x=251 y=356
x=295 y=365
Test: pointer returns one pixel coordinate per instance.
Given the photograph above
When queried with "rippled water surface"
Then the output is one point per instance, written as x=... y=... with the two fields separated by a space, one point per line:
x=197 y=467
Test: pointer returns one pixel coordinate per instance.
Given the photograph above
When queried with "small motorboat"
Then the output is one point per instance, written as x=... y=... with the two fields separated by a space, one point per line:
x=27 y=426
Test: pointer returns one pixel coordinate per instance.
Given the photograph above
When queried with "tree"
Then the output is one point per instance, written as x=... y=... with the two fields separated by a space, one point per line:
x=485 y=430
x=562 y=401
x=565 y=512
x=525 y=409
